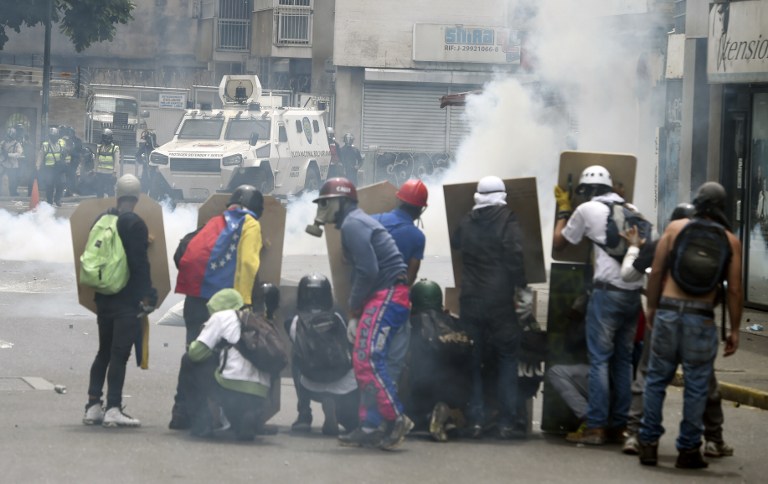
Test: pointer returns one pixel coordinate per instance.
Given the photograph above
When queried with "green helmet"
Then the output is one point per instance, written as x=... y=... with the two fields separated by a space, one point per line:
x=426 y=295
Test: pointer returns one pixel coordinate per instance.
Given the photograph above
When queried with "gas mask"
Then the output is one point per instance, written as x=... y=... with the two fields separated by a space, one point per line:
x=327 y=210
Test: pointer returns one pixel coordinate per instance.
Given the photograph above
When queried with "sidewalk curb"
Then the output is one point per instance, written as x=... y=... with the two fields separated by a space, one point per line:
x=735 y=393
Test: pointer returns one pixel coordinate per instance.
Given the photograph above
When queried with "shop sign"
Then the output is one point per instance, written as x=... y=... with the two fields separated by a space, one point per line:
x=173 y=100
x=20 y=76
x=465 y=43
x=737 y=46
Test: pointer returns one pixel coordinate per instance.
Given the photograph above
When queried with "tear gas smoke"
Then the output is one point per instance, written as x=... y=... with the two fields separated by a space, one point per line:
x=584 y=70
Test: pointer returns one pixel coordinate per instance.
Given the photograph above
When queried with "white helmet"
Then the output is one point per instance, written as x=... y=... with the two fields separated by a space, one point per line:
x=127 y=186
x=596 y=175
x=490 y=184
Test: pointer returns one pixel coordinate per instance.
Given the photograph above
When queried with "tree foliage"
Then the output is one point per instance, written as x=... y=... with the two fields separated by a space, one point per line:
x=83 y=21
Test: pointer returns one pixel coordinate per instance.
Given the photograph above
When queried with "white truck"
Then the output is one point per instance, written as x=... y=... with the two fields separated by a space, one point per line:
x=280 y=150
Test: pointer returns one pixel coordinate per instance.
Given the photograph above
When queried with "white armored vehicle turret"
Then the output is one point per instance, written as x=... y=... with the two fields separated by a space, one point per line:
x=279 y=150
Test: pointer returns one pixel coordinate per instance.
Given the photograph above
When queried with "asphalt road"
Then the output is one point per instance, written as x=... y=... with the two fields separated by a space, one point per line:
x=42 y=439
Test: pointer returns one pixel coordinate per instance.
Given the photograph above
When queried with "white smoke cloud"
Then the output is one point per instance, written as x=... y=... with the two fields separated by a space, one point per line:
x=518 y=131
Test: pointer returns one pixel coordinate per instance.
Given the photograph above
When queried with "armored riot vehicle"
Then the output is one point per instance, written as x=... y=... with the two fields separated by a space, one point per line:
x=280 y=150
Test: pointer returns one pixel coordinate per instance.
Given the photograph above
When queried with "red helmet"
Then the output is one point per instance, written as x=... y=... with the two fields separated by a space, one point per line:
x=337 y=187
x=413 y=192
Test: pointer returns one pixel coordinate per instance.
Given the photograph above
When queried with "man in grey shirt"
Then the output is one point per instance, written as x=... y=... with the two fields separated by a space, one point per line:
x=379 y=307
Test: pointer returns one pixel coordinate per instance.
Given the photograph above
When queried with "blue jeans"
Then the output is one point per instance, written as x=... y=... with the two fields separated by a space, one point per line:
x=690 y=339
x=611 y=323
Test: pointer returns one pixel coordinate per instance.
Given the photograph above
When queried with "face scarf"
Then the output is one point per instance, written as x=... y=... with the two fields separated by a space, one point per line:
x=489 y=199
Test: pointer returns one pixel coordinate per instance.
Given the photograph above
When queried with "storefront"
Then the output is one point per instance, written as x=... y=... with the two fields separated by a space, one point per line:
x=737 y=58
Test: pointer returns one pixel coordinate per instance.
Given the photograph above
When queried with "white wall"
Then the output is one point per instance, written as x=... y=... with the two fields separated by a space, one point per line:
x=375 y=33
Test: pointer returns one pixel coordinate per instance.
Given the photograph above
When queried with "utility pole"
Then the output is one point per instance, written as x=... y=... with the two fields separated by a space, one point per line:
x=46 y=69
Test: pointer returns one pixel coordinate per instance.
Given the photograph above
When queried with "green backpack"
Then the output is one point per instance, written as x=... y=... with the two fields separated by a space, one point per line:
x=103 y=265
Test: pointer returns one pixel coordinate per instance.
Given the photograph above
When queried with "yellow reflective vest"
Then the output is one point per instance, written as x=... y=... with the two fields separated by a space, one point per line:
x=51 y=153
x=106 y=158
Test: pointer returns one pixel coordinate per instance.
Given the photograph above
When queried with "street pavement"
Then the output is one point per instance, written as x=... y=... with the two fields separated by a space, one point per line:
x=42 y=439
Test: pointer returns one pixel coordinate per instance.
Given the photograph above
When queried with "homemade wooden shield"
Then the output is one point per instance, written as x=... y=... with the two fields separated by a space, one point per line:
x=272 y=232
x=523 y=200
x=83 y=219
x=372 y=199
x=622 y=169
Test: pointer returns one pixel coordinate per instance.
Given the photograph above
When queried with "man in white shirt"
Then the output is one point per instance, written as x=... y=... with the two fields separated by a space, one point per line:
x=612 y=311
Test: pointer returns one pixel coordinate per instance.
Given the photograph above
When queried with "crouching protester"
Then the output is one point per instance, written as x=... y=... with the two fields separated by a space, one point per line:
x=379 y=301
x=694 y=259
x=239 y=381
x=438 y=377
x=321 y=359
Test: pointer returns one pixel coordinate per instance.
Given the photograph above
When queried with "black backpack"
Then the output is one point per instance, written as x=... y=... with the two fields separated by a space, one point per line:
x=182 y=247
x=700 y=256
x=260 y=343
x=320 y=349
x=620 y=219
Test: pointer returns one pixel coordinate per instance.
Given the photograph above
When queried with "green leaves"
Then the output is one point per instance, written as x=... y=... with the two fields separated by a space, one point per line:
x=83 y=21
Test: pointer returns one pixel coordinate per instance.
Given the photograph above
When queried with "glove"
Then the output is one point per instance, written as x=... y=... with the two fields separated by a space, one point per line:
x=563 y=200
x=148 y=304
x=352 y=330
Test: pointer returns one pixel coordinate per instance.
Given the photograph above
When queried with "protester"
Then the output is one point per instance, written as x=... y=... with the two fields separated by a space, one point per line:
x=410 y=241
x=379 y=307
x=230 y=381
x=682 y=292
x=225 y=253
x=490 y=241
x=611 y=312
x=321 y=362
x=117 y=314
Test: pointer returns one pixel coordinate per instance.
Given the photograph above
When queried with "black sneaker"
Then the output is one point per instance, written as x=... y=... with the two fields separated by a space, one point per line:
x=303 y=423
x=361 y=438
x=690 y=459
x=397 y=432
x=648 y=453
x=330 y=425
x=179 y=421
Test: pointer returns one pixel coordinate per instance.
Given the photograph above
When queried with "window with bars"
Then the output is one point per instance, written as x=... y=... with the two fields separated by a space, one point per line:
x=293 y=23
x=234 y=24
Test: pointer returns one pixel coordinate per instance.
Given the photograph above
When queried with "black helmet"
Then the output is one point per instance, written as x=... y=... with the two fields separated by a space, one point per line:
x=710 y=202
x=248 y=197
x=271 y=298
x=314 y=293
x=106 y=136
x=426 y=295
x=683 y=210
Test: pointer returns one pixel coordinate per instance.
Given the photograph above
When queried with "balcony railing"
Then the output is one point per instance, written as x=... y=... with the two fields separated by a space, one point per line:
x=293 y=26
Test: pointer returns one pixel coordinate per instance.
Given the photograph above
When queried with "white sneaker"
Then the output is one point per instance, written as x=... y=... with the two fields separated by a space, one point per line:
x=631 y=445
x=94 y=414
x=116 y=418
x=717 y=449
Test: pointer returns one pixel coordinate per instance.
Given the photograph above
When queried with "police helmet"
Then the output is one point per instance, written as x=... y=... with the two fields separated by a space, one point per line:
x=11 y=133
x=53 y=132
x=248 y=197
x=314 y=293
x=426 y=295
x=106 y=136
x=349 y=138
x=271 y=298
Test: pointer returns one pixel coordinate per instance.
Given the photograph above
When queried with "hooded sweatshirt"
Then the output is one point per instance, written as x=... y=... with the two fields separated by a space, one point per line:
x=490 y=241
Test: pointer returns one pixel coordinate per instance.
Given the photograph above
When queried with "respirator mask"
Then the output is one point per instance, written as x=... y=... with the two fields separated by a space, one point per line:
x=327 y=210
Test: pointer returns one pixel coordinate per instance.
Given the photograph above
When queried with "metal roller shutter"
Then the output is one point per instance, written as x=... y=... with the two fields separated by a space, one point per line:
x=404 y=117
x=408 y=117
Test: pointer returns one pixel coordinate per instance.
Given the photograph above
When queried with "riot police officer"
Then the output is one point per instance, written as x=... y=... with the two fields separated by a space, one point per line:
x=52 y=167
x=106 y=164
